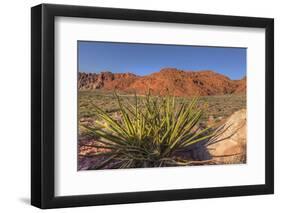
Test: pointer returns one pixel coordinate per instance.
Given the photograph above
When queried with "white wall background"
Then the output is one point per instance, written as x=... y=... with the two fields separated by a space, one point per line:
x=15 y=105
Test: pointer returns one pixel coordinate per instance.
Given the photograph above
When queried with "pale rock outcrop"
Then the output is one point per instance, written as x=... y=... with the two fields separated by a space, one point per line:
x=231 y=144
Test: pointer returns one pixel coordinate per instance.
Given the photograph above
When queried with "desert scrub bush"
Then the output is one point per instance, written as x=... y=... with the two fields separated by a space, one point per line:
x=147 y=133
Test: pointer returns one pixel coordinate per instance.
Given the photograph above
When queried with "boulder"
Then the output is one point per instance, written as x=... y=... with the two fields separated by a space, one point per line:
x=230 y=146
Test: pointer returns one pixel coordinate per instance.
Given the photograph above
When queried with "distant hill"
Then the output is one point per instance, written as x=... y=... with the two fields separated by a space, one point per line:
x=167 y=80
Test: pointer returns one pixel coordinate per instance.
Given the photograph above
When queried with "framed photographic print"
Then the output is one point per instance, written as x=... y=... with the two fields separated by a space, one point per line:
x=139 y=106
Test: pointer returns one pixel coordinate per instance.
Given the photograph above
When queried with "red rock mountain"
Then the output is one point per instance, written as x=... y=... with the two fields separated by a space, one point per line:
x=167 y=80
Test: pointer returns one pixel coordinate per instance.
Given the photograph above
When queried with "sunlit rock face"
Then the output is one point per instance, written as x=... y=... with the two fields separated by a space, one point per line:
x=167 y=81
x=231 y=145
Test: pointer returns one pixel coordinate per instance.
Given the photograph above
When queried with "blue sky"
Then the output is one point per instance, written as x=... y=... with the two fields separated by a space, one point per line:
x=143 y=59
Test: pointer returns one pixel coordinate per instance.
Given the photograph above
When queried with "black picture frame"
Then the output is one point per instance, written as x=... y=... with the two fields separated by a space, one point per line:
x=43 y=111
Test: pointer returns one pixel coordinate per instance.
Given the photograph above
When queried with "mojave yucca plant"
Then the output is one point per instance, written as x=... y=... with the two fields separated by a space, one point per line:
x=148 y=133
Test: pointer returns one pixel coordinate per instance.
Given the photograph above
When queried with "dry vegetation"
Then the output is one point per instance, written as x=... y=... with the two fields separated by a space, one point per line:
x=216 y=108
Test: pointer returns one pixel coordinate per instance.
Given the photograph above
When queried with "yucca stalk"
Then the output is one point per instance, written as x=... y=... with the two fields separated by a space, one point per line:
x=149 y=132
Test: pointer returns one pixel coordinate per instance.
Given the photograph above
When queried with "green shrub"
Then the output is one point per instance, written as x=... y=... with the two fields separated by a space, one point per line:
x=148 y=133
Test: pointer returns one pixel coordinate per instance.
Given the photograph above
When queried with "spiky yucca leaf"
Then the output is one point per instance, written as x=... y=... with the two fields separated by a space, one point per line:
x=149 y=132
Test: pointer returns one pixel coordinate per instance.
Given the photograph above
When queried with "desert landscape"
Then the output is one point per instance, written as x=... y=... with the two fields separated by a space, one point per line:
x=206 y=126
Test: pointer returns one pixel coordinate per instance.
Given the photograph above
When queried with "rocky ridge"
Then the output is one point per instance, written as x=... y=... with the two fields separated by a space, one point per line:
x=168 y=80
